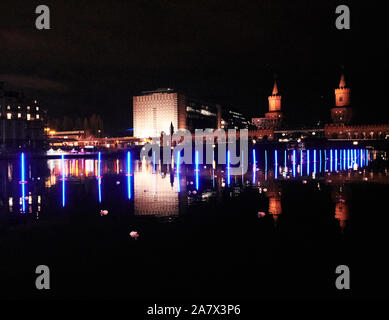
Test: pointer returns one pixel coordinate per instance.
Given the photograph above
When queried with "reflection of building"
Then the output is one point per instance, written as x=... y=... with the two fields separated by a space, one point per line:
x=153 y=192
x=341 y=196
x=342 y=213
x=155 y=111
x=21 y=122
x=273 y=118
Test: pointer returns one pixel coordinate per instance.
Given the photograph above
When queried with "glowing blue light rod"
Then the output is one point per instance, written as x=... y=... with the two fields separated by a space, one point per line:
x=63 y=179
x=340 y=158
x=301 y=162
x=308 y=171
x=197 y=169
x=325 y=160
x=254 y=166
x=275 y=164
x=178 y=170
x=99 y=175
x=314 y=161
x=23 y=182
x=129 y=175
x=344 y=159
x=331 y=160
x=320 y=161
x=294 y=163
x=228 y=168
x=275 y=157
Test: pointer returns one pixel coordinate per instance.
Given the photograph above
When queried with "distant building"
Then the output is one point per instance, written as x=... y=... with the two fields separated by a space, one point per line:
x=21 y=121
x=155 y=111
x=273 y=118
x=233 y=119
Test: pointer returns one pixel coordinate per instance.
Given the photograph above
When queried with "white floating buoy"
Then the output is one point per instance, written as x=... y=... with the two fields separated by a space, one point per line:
x=134 y=234
x=261 y=214
x=304 y=181
x=117 y=182
x=103 y=212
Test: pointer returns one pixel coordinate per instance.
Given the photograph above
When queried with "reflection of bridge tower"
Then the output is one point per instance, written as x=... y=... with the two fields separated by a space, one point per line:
x=274 y=196
x=341 y=197
x=342 y=111
x=342 y=213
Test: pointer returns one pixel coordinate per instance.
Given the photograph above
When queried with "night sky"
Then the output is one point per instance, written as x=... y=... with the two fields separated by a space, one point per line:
x=98 y=54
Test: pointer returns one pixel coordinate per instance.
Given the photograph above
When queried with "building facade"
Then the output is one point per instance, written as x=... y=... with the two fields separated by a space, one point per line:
x=21 y=121
x=233 y=119
x=154 y=112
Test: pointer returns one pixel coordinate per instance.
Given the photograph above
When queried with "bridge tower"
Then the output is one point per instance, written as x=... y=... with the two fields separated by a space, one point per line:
x=274 y=117
x=342 y=112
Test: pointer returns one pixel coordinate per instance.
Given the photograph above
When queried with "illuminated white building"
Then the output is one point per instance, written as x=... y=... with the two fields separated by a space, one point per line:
x=155 y=111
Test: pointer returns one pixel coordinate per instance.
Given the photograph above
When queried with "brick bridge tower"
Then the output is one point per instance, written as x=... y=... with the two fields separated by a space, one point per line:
x=342 y=112
x=274 y=117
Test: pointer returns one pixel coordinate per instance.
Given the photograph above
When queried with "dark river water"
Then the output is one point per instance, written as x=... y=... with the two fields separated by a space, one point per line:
x=278 y=231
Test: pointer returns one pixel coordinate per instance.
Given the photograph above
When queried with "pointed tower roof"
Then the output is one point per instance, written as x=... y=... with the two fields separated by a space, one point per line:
x=275 y=89
x=342 y=83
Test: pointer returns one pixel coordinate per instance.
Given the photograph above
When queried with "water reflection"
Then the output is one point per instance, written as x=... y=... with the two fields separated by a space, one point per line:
x=341 y=196
x=273 y=193
x=153 y=192
x=63 y=179
x=163 y=190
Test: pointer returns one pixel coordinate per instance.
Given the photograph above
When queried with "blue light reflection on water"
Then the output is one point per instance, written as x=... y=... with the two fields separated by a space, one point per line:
x=63 y=179
x=362 y=154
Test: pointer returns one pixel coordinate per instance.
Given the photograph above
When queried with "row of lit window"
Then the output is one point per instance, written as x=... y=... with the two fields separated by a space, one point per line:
x=19 y=107
x=9 y=116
